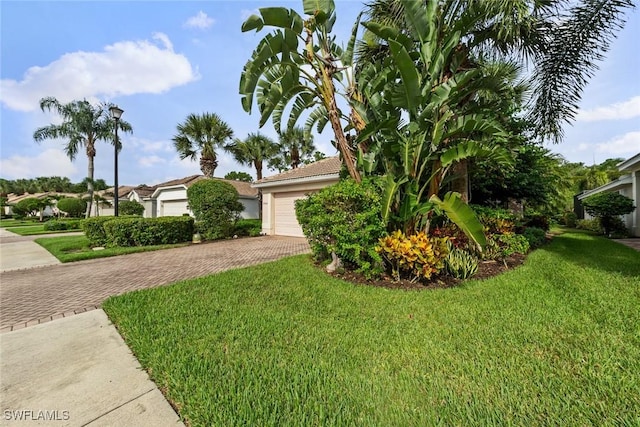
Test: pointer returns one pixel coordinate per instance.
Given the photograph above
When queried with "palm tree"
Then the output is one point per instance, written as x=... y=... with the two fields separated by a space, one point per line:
x=83 y=124
x=295 y=148
x=202 y=134
x=253 y=151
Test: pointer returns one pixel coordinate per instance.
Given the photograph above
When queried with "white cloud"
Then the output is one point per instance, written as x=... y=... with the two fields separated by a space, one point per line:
x=150 y=161
x=149 y=146
x=627 y=143
x=123 y=68
x=200 y=21
x=618 y=111
x=51 y=162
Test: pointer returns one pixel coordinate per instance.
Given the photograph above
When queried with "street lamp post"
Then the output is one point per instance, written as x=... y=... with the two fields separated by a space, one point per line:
x=116 y=113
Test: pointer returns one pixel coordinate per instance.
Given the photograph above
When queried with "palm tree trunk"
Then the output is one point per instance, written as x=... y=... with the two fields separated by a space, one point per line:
x=460 y=183
x=343 y=145
x=90 y=171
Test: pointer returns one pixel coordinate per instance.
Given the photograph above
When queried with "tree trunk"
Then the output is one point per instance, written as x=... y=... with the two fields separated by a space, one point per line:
x=460 y=181
x=208 y=165
x=342 y=143
x=91 y=153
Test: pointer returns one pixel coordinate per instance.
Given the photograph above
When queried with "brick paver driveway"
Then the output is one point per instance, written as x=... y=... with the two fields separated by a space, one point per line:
x=29 y=297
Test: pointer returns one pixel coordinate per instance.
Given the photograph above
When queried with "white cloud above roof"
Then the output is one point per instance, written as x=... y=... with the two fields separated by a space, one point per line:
x=50 y=162
x=200 y=21
x=629 y=143
x=123 y=68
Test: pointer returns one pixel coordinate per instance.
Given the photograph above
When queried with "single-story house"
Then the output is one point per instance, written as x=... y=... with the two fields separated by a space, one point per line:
x=628 y=185
x=279 y=193
x=170 y=198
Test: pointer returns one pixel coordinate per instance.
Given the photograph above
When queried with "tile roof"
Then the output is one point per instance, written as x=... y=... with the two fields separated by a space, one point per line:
x=328 y=166
x=243 y=188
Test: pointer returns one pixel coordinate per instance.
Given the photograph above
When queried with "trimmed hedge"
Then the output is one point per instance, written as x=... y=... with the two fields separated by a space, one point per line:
x=94 y=230
x=58 y=225
x=248 y=227
x=148 y=231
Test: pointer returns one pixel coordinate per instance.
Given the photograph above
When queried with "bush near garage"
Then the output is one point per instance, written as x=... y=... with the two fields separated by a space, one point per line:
x=216 y=207
x=130 y=207
x=247 y=227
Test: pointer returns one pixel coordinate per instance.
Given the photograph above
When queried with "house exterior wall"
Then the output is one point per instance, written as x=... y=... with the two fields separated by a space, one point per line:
x=269 y=194
x=251 y=208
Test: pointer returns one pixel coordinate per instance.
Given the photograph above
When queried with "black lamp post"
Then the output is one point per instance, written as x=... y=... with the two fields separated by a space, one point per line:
x=116 y=113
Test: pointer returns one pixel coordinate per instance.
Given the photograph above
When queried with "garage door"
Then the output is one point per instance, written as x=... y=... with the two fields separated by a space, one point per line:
x=173 y=208
x=285 y=221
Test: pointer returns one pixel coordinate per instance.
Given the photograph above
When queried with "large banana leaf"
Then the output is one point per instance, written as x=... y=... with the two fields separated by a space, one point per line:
x=462 y=215
x=278 y=17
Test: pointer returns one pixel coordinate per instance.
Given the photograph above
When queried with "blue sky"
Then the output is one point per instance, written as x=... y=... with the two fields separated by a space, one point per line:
x=160 y=61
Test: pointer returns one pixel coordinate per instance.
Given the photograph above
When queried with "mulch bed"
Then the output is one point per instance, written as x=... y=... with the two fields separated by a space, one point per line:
x=486 y=269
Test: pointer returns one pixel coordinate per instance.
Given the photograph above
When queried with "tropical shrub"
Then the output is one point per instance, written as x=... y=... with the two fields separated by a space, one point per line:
x=413 y=257
x=495 y=221
x=130 y=207
x=94 y=230
x=460 y=263
x=72 y=206
x=617 y=228
x=216 y=207
x=247 y=227
x=607 y=206
x=590 y=225
x=570 y=219
x=345 y=219
x=535 y=236
x=536 y=220
x=511 y=244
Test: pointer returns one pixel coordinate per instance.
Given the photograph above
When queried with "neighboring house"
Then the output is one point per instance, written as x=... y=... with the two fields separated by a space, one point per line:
x=105 y=208
x=12 y=199
x=171 y=197
x=142 y=194
x=279 y=193
x=628 y=185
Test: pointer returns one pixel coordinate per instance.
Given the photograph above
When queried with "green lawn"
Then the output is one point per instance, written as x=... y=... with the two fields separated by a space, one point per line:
x=76 y=248
x=32 y=230
x=554 y=342
x=7 y=223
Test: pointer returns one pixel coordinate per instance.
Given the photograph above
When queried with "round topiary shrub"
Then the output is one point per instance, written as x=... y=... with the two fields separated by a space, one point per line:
x=216 y=207
x=346 y=219
x=72 y=206
x=607 y=206
x=130 y=207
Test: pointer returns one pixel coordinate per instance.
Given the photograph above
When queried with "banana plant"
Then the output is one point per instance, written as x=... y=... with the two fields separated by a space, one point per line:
x=299 y=64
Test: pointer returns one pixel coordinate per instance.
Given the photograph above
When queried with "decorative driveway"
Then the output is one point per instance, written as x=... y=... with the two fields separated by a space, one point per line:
x=37 y=295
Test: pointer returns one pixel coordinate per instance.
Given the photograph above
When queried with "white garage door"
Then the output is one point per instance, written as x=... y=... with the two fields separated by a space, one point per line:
x=285 y=221
x=173 y=208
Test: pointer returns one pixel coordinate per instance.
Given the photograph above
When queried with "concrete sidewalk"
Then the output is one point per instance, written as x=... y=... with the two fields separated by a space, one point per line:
x=21 y=252
x=76 y=371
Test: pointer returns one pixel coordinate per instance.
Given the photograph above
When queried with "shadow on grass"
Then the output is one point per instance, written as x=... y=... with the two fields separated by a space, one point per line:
x=591 y=251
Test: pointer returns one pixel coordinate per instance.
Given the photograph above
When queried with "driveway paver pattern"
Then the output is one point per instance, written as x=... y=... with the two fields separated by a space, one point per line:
x=33 y=296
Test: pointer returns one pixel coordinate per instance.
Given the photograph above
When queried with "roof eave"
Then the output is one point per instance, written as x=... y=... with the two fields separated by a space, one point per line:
x=304 y=180
x=629 y=163
x=611 y=186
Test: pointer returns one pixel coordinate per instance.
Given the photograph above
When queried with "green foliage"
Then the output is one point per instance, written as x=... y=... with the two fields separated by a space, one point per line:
x=124 y=232
x=238 y=176
x=216 y=208
x=130 y=207
x=415 y=257
x=537 y=220
x=344 y=218
x=590 y=225
x=606 y=206
x=570 y=219
x=247 y=227
x=62 y=224
x=73 y=206
x=460 y=263
x=94 y=230
x=25 y=207
x=495 y=221
x=535 y=236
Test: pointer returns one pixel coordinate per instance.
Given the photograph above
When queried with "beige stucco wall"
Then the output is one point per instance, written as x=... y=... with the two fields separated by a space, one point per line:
x=268 y=204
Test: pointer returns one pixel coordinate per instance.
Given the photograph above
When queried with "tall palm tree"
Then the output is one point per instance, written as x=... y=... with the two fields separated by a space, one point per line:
x=253 y=151
x=83 y=124
x=202 y=134
x=295 y=147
